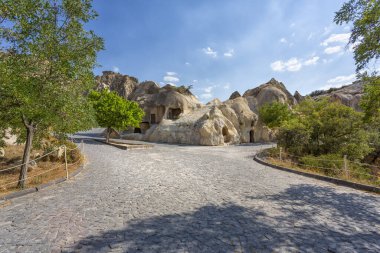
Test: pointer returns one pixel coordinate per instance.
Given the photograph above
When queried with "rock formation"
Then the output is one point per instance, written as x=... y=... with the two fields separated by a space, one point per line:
x=235 y=94
x=298 y=97
x=267 y=93
x=124 y=85
x=174 y=115
x=349 y=95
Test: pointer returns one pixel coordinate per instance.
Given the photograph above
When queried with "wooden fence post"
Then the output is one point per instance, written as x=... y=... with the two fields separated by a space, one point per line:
x=67 y=171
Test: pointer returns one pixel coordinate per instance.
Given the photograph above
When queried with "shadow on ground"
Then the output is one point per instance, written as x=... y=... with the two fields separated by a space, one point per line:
x=233 y=228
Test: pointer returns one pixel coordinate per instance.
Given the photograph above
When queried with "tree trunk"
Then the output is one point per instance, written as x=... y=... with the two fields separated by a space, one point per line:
x=108 y=134
x=26 y=156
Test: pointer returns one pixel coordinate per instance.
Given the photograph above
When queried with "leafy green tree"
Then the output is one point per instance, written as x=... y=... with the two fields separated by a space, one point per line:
x=46 y=63
x=113 y=111
x=370 y=102
x=324 y=127
x=365 y=34
x=273 y=114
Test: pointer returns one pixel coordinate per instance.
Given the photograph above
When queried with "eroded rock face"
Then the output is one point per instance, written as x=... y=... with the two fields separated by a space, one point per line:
x=174 y=115
x=267 y=93
x=234 y=95
x=205 y=126
x=349 y=95
x=124 y=85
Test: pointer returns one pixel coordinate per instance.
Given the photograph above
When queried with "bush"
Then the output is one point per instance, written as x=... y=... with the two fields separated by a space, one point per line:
x=331 y=164
x=274 y=114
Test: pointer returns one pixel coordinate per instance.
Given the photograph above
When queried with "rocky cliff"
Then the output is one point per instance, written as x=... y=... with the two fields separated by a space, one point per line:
x=349 y=95
x=174 y=115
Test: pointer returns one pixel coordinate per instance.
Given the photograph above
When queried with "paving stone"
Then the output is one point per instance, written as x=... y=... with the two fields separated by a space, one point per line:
x=176 y=198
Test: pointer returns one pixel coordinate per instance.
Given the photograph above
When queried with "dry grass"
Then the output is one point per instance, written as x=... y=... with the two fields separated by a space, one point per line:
x=287 y=163
x=44 y=171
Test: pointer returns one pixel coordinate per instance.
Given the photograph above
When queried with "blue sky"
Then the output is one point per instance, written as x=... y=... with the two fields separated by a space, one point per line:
x=220 y=46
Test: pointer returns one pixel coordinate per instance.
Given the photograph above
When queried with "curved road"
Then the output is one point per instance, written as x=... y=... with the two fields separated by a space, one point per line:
x=189 y=199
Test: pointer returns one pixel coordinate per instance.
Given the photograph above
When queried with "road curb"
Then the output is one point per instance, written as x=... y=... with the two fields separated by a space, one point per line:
x=130 y=147
x=336 y=181
x=40 y=187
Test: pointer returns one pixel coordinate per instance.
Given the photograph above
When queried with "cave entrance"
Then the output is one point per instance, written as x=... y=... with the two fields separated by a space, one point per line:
x=153 y=118
x=251 y=136
x=174 y=113
x=226 y=136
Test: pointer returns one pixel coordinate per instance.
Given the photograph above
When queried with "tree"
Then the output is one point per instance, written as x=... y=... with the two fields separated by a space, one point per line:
x=113 y=111
x=365 y=34
x=365 y=39
x=324 y=127
x=273 y=114
x=46 y=64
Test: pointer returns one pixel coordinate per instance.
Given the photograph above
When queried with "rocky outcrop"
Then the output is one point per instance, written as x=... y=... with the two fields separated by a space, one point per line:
x=124 y=85
x=349 y=95
x=298 y=97
x=267 y=93
x=234 y=95
x=205 y=126
x=174 y=115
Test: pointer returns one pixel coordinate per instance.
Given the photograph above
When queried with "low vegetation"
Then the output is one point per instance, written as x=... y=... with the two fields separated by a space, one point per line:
x=48 y=164
x=319 y=135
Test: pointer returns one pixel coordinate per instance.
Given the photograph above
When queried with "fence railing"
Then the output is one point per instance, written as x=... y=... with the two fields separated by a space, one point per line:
x=63 y=149
x=344 y=168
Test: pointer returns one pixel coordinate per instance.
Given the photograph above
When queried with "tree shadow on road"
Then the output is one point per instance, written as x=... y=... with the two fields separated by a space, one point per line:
x=340 y=205
x=233 y=228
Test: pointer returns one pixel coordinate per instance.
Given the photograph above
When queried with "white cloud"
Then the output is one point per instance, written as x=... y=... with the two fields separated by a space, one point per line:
x=229 y=53
x=171 y=77
x=277 y=66
x=115 y=69
x=333 y=50
x=342 y=79
x=339 y=81
x=187 y=63
x=311 y=61
x=311 y=35
x=209 y=51
x=226 y=86
x=283 y=40
x=336 y=38
x=209 y=89
x=293 y=64
x=292 y=25
x=206 y=95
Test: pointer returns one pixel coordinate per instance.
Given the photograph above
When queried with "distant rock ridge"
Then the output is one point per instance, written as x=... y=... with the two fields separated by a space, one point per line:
x=349 y=95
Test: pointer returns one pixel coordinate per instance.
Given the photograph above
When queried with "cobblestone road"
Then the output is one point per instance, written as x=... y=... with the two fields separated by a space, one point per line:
x=189 y=199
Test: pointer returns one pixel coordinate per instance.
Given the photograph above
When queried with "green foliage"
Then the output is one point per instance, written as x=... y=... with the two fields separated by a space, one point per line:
x=370 y=102
x=365 y=17
x=329 y=164
x=113 y=111
x=294 y=137
x=323 y=127
x=46 y=65
x=273 y=114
